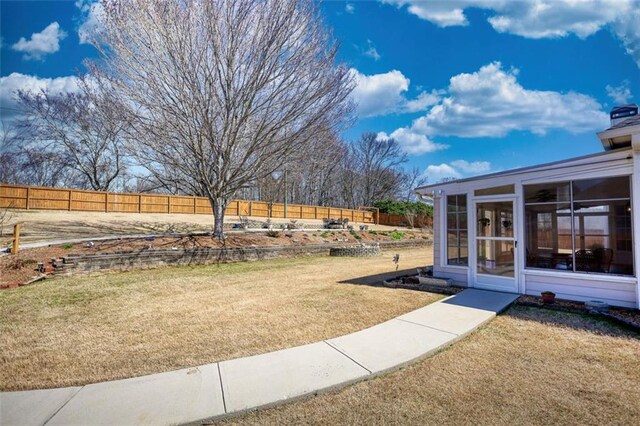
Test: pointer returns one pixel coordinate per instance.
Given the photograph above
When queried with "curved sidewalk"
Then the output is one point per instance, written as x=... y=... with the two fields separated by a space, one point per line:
x=230 y=387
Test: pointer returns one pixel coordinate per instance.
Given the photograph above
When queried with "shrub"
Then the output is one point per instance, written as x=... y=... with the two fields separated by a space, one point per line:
x=355 y=234
x=397 y=235
x=373 y=232
x=325 y=234
x=401 y=207
x=67 y=246
x=273 y=233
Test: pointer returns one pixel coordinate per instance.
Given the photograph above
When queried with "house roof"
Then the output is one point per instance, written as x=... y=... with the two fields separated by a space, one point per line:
x=631 y=121
x=537 y=167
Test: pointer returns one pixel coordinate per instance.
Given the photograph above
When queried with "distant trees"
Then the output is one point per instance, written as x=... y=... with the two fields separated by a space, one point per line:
x=222 y=93
x=77 y=138
x=339 y=173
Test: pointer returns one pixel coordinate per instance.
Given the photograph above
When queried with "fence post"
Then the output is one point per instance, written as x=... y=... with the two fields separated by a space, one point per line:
x=139 y=203
x=106 y=202
x=169 y=204
x=69 y=205
x=15 y=247
x=28 y=190
x=250 y=208
x=194 y=204
x=315 y=212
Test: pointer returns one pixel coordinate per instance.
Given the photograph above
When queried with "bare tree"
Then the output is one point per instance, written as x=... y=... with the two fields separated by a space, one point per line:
x=413 y=179
x=224 y=91
x=373 y=170
x=82 y=131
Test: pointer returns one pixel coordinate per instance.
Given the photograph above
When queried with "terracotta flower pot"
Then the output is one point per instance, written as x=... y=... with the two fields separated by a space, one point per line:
x=548 y=297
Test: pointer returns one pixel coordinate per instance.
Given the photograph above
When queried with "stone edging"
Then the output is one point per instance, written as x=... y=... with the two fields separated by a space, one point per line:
x=355 y=251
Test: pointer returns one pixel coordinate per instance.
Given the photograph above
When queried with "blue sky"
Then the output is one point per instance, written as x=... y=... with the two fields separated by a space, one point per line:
x=467 y=87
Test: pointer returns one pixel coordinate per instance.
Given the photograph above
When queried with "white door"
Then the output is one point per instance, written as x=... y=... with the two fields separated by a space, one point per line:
x=494 y=254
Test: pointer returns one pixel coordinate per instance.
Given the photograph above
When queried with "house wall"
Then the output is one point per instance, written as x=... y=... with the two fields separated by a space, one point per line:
x=613 y=289
x=618 y=291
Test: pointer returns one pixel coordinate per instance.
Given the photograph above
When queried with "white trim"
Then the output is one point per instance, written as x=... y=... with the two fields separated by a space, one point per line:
x=635 y=200
x=491 y=282
x=581 y=276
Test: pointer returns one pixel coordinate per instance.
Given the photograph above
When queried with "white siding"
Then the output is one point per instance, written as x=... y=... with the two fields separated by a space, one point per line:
x=615 y=290
x=436 y=232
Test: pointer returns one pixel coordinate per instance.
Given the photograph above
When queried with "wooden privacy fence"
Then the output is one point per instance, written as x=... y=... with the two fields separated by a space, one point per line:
x=40 y=198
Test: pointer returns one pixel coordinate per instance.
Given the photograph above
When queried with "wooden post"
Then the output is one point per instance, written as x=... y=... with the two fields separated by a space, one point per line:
x=69 y=200
x=15 y=248
x=169 y=204
x=28 y=188
x=139 y=203
x=250 y=208
x=194 y=204
x=315 y=212
x=106 y=202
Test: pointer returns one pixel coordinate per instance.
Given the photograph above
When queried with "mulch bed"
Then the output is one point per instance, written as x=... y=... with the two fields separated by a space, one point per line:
x=623 y=316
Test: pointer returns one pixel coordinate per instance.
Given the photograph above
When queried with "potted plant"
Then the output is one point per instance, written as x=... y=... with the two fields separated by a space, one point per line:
x=548 y=297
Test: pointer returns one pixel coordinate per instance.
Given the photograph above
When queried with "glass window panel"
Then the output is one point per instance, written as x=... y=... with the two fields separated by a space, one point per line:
x=456 y=230
x=547 y=192
x=452 y=238
x=602 y=188
x=452 y=221
x=495 y=219
x=496 y=190
x=462 y=203
x=463 y=239
x=462 y=220
x=603 y=239
x=452 y=203
x=548 y=236
x=496 y=258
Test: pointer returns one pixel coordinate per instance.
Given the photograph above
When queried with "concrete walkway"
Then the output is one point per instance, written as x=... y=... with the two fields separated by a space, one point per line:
x=230 y=387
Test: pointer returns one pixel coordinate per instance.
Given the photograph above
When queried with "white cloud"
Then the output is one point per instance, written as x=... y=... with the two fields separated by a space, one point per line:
x=540 y=18
x=371 y=51
x=620 y=94
x=382 y=94
x=473 y=167
x=349 y=8
x=437 y=172
x=43 y=43
x=456 y=169
x=423 y=101
x=92 y=20
x=413 y=143
x=491 y=103
x=10 y=84
x=627 y=28
x=379 y=94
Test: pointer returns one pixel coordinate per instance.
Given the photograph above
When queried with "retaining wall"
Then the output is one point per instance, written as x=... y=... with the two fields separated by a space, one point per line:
x=84 y=264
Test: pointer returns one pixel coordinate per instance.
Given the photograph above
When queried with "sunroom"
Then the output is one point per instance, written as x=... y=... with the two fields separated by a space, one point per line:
x=569 y=227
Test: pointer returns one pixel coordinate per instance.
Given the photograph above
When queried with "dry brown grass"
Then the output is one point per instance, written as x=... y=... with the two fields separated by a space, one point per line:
x=74 y=331
x=46 y=225
x=526 y=367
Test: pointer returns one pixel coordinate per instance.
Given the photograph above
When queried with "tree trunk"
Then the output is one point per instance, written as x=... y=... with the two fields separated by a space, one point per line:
x=219 y=205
